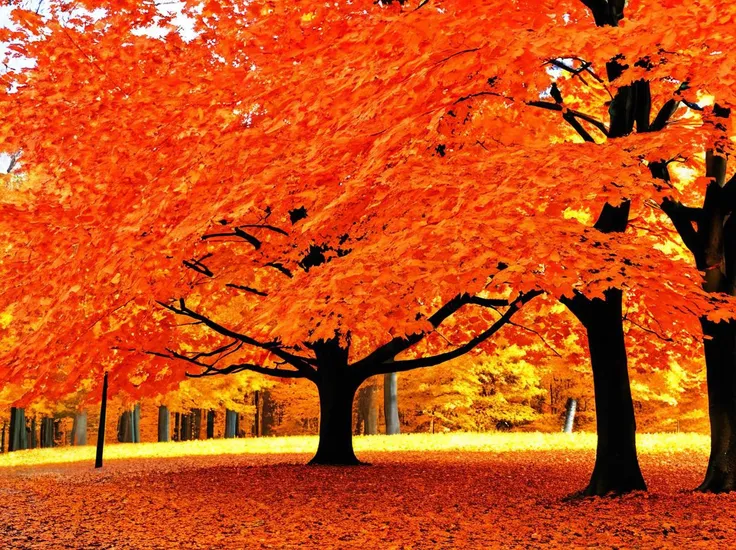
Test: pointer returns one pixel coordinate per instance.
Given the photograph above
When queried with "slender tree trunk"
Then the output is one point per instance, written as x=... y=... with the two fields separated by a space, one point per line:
x=572 y=405
x=2 y=440
x=163 y=424
x=177 y=427
x=616 y=465
x=390 y=403
x=368 y=409
x=196 y=423
x=101 y=429
x=230 y=424
x=336 y=394
x=79 y=429
x=257 y=415
x=32 y=436
x=47 y=433
x=186 y=427
x=124 y=432
x=136 y=423
x=268 y=413
x=210 y=424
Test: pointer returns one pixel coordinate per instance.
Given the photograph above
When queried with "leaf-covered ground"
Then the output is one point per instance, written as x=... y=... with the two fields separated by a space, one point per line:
x=509 y=498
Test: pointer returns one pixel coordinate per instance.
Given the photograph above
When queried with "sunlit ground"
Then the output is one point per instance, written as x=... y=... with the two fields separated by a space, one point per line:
x=468 y=442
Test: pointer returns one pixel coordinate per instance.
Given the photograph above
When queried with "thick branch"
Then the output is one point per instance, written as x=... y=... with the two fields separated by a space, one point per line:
x=410 y=364
x=394 y=347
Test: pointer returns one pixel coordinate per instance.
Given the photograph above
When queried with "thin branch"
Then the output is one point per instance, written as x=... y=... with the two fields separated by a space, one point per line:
x=240 y=367
x=237 y=232
x=470 y=50
x=247 y=289
x=544 y=341
x=650 y=331
x=303 y=364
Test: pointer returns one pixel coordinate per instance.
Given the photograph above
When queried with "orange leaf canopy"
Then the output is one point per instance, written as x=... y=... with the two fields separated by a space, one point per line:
x=395 y=146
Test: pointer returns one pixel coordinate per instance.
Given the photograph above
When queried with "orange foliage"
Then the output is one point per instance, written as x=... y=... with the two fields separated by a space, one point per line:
x=406 y=136
x=404 y=500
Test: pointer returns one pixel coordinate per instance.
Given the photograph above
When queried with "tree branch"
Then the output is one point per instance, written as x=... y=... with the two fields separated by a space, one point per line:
x=240 y=367
x=390 y=365
x=303 y=364
x=682 y=219
x=394 y=347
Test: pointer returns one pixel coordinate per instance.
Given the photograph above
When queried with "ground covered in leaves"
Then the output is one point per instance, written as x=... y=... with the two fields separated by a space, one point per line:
x=464 y=493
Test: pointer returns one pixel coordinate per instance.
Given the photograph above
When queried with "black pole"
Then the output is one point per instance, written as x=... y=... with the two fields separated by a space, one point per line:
x=101 y=429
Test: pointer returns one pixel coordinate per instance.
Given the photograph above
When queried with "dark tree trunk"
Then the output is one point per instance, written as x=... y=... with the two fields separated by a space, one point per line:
x=47 y=433
x=231 y=421
x=136 y=423
x=2 y=440
x=32 y=436
x=367 y=410
x=124 y=432
x=79 y=429
x=103 y=421
x=186 y=427
x=257 y=414
x=18 y=440
x=196 y=423
x=616 y=465
x=720 y=358
x=177 y=427
x=390 y=403
x=268 y=413
x=129 y=426
x=163 y=424
x=571 y=407
x=210 y=424
x=336 y=394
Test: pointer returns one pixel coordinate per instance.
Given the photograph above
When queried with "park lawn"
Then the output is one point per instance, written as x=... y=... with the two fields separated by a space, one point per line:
x=421 y=491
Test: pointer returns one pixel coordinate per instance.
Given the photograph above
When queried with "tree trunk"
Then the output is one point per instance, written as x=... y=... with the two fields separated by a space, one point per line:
x=32 y=436
x=257 y=415
x=616 y=465
x=368 y=410
x=18 y=440
x=103 y=421
x=336 y=394
x=177 y=427
x=230 y=424
x=2 y=440
x=136 y=423
x=720 y=356
x=210 y=424
x=572 y=405
x=268 y=413
x=196 y=423
x=47 y=433
x=390 y=403
x=163 y=424
x=129 y=426
x=79 y=429
x=186 y=427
